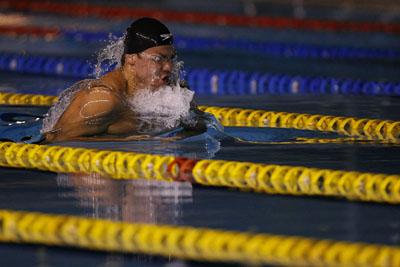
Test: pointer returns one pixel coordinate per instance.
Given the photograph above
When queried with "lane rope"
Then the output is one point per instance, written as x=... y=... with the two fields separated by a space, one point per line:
x=115 y=12
x=367 y=129
x=211 y=82
x=201 y=244
x=370 y=129
x=27 y=99
x=262 y=178
x=198 y=44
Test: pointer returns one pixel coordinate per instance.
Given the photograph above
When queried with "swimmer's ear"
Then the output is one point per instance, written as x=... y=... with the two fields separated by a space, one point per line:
x=130 y=59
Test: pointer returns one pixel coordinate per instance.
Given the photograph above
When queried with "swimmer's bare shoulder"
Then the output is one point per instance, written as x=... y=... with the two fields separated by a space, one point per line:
x=90 y=113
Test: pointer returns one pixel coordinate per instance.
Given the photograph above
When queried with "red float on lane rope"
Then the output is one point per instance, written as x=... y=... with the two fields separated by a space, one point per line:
x=29 y=30
x=181 y=169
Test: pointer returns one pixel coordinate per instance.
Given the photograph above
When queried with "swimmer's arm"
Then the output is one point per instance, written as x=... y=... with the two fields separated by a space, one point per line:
x=191 y=129
x=200 y=126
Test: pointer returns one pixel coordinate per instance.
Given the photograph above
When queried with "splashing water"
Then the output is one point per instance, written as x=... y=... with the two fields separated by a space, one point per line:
x=177 y=73
x=164 y=108
x=110 y=56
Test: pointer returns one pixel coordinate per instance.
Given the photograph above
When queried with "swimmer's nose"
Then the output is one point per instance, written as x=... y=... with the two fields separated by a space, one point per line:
x=167 y=66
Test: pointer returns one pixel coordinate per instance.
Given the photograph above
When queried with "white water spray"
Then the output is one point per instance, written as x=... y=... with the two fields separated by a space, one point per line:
x=110 y=56
x=165 y=107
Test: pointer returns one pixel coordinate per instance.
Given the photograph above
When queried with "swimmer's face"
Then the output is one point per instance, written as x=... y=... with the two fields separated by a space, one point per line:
x=153 y=67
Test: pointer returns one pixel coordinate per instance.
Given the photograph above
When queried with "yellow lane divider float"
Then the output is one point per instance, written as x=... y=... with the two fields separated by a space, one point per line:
x=190 y=243
x=371 y=129
x=27 y=99
x=270 y=179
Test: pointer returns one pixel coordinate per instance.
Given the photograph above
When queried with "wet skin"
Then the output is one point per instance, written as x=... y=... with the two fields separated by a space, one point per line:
x=101 y=113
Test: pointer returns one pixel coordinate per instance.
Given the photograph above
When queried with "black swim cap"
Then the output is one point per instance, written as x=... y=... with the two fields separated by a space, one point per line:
x=145 y=33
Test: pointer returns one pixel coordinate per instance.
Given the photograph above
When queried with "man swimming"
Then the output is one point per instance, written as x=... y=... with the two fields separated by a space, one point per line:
x=136 y=101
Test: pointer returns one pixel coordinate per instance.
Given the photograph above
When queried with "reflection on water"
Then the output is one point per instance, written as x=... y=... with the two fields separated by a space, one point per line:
x=199 y=146
x=140 y=200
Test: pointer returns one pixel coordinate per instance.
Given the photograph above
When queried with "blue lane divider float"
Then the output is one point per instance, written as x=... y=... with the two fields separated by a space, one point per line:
x=266 y=48
x=212 y=82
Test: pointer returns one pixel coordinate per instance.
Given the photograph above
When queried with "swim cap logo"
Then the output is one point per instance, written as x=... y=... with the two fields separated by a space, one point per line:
x=146 y=37
x=165 y=36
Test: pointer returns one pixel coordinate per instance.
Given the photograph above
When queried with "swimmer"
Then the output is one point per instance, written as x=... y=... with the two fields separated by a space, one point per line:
x=137 y=101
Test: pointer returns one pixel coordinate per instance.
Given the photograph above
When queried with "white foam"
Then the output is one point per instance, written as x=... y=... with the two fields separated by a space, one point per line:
x=165 y=107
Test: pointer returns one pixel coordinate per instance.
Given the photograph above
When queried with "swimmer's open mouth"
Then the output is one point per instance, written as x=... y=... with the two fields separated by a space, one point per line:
x=165 y=79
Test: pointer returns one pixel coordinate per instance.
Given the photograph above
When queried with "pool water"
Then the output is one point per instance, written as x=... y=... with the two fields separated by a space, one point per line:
x=194 y=205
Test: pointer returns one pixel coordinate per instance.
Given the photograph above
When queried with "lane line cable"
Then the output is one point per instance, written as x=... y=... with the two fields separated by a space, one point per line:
x=365 y=129
x=247 y=176
x=185 y=43
x=208 y=81
x=185 y=242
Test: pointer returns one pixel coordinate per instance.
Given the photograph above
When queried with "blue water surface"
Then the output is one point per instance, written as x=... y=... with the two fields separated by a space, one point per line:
x=185 y=204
